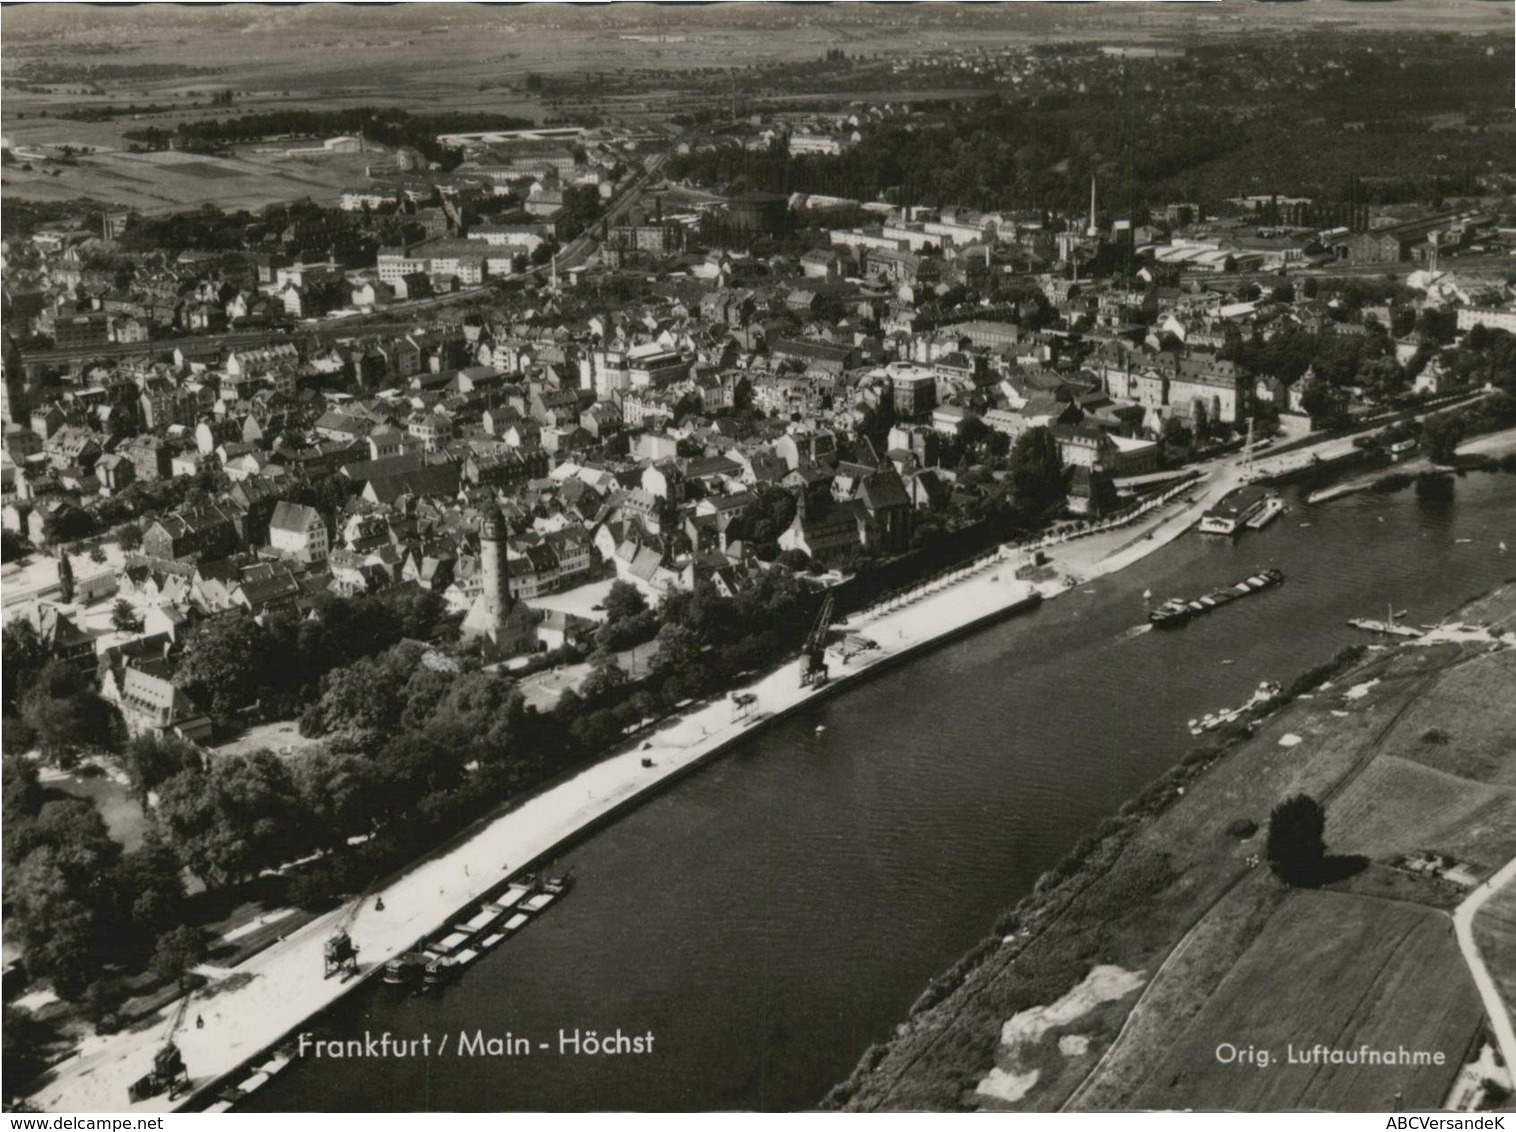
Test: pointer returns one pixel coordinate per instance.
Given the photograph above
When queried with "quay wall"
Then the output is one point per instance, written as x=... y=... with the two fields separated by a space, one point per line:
x=202 y=1095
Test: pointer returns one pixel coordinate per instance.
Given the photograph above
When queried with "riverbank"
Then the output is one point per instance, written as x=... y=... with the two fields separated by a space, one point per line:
x=1492 y=444
x=281 y=987
x=256 y=1004
x=1111 y=985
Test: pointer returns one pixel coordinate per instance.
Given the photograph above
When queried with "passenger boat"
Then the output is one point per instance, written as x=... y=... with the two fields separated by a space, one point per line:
x=1273 y=507
x=1228 y=516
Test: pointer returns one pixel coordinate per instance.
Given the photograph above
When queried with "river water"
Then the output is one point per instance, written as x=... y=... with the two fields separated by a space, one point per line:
x=775 y=913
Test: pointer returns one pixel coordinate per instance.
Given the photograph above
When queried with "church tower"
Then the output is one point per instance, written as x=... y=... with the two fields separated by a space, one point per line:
x=507 y=623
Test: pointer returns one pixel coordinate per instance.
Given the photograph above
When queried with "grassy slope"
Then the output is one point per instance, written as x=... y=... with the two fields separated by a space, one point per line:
x=1495 y=935
x=1151 y=880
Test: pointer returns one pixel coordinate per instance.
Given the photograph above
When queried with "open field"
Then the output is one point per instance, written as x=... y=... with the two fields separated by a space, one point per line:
x=1341 y=971
x=174 y=181
x=461 y=57
x=1451 y=732
x=1166 y=892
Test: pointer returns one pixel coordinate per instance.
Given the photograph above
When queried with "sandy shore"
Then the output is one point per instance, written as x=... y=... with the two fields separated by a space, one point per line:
x=265 y=998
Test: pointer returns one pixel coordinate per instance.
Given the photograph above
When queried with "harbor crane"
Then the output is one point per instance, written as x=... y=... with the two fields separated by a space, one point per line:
x=813 y=674
x=168 y=1073
x=341 y=953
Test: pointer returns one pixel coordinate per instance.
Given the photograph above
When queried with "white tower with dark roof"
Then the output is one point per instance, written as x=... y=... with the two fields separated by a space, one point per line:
x=507 y=623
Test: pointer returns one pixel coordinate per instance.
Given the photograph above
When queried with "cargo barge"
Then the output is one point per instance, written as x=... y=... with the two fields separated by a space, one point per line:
x=1180 y=611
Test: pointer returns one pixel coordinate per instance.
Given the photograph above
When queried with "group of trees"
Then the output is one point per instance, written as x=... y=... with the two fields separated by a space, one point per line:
x=629 y=621
x=230 y=663
x=1036 y=472
x=78 y=903
x=386 y=125
x=49 y=704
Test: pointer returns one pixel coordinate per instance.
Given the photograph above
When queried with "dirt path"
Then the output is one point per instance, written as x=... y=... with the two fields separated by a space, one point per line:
x=1463 y=925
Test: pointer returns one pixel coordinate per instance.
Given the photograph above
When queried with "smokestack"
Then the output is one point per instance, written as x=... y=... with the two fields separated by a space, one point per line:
x=1094 y=223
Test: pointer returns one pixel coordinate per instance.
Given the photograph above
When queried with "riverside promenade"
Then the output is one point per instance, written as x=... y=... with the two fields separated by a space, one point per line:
x=261 y=1001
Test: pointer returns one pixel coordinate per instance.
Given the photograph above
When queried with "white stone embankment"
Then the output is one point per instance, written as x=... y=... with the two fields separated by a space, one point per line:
x=275 y=991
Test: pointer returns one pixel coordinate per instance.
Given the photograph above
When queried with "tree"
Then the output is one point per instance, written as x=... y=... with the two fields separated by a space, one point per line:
x=149 y=886
x=65 y=577
x=1440 y=437
x=1296 y=841
x=22 y=658
x=151 y=760
x=130 y=538
x=240 y=816
x=66 y=714
x=124 y=618
x=1201 y=415
x=341 y=791
x=624 y=600
x=178 y=952
x=226 y=664
x=1036 y=470
x=97 y=555
x=605 y=680
x=1325 y=405
x=21 y=793
x=12 y=546
x=364 y=697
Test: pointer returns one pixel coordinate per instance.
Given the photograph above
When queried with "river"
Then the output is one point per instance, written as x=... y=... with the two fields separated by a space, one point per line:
x=775 y=913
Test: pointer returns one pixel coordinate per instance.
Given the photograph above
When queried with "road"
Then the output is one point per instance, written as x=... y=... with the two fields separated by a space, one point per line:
x=580 y=247
x=1463 y=925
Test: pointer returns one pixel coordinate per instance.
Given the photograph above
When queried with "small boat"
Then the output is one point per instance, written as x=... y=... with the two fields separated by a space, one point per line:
x=1388 y=628
x=403 y=968
x=820 y=728
x=1458 y=540
x=558 y=885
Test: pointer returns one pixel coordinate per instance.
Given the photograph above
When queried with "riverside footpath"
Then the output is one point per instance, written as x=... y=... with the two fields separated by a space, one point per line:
x=262 y=1001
